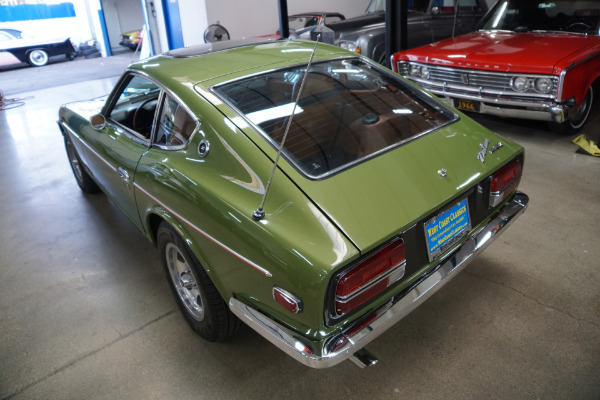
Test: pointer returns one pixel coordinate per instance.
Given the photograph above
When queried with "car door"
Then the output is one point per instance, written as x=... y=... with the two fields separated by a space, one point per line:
x=162 y=172
x=123 y=139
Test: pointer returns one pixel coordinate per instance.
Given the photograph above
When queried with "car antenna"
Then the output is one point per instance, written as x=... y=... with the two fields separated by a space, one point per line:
x=259 y=213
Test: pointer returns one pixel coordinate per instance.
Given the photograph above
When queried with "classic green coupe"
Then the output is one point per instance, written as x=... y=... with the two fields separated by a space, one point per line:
x=303 y=190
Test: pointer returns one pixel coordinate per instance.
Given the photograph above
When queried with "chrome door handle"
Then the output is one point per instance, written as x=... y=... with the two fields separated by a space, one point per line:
x=123 y=174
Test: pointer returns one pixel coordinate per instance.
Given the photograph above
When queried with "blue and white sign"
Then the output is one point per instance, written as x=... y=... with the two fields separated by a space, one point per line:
x=445 y=229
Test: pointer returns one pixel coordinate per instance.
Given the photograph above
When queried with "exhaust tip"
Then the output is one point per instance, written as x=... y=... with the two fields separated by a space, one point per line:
x=364 y=358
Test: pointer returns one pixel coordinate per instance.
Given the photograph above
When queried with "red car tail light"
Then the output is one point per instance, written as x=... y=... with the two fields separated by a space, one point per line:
x=290 y=302
x=370 y=277
x=504 y=182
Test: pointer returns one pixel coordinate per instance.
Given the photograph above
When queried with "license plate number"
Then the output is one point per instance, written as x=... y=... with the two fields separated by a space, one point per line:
x=467 y=105
x=444 y=230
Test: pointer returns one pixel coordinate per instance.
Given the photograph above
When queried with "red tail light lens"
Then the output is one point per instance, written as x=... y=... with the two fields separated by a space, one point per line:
x=504 y=182
x=370 y=277
x=290 y=302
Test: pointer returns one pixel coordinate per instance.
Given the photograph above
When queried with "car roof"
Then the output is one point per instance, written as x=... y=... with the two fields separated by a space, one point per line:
x=205 y=65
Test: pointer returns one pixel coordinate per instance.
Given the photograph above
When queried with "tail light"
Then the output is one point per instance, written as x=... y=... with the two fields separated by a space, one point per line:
x=290 y=302
x=504 y=182
x=370 y=277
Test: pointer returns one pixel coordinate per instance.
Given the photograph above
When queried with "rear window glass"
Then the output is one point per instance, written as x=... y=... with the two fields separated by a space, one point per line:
x=349 y=110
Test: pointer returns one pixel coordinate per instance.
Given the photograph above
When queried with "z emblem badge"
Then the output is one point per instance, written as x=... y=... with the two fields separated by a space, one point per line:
x=483 y=149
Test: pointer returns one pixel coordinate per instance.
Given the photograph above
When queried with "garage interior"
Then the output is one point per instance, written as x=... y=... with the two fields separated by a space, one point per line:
x=87 y=312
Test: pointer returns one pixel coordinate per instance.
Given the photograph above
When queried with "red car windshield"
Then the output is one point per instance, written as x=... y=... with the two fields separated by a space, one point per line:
x=581 y=16
x=349 y=110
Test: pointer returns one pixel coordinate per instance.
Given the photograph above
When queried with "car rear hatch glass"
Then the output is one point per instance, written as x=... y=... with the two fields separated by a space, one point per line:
x=348 y=111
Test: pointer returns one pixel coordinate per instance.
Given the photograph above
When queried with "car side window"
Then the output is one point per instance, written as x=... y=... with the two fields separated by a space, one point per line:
x=136 y=105
x=175 y=124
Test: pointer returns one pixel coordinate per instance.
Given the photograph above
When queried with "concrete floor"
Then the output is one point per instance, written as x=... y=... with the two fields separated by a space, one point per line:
x=86 y=311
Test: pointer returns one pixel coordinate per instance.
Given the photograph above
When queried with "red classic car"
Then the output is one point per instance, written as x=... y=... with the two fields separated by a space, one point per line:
x=531 y=59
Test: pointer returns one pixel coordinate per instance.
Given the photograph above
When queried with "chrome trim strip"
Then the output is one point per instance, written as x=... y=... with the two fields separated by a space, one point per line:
x=301 y=349
x=561 y=84
x=203 y=233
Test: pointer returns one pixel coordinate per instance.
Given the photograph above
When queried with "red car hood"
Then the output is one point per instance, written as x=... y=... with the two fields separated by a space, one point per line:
x=539 y=53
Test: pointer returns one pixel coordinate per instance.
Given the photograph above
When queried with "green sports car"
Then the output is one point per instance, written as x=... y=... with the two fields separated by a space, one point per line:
x=301 y=189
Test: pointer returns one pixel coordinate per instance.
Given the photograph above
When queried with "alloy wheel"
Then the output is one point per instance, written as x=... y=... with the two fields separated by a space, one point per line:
x=185 y=282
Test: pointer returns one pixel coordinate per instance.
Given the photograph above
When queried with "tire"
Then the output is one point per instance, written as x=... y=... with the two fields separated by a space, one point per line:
x=38 y=57
x=86 y=51
x=84 y=180
x=577 y=120
x=197 y=297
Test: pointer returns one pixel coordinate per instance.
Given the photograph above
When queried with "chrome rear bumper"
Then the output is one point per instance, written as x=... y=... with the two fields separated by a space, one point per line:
x=305 y=352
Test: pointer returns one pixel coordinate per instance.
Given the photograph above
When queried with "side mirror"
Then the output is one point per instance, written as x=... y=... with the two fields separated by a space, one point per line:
x=435 y=10
x=98 y=121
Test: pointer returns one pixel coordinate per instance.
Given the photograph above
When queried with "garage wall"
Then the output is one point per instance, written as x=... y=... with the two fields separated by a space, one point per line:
x=193 y=21
x=130 y=15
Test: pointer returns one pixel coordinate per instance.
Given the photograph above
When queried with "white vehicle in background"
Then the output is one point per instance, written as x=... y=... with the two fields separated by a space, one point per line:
x=35 y=51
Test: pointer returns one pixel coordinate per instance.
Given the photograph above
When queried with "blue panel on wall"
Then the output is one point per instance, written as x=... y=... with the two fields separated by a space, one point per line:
x=28 y=12
x=173 y=23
